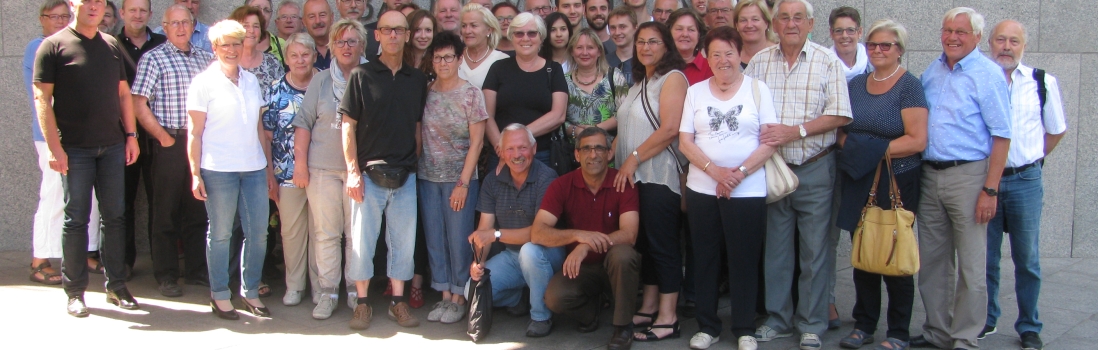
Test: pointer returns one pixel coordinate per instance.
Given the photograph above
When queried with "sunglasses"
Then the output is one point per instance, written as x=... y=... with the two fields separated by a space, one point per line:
x=885 y=47
x=533 y=34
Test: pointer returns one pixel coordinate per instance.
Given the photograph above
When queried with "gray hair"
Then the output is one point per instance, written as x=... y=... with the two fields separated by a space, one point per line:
x=522 y=20
x=975 y=19
x=303 y=39
x=1025 y=32
x=592 y=131
x=807 y=6
x=224 y=29
x=285 y=3
x=517 y=127
x=891 y=26
x=174 y=7
x=489 y=20
x=52 y=4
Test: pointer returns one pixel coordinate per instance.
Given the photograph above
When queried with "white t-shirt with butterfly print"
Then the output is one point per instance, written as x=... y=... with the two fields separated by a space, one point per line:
x=727 y=132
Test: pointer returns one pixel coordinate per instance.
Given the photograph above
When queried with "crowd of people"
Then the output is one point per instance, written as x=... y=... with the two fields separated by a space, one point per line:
x=412 y=145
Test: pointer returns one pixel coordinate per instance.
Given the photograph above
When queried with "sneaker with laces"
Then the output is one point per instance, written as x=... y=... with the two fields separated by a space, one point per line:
x=399 y=312
x=324 y=308
x=765 y=333
x=988 y=330
x=292 y=297
x=538 y=329
x=748 y=342
x=701 y=340
x=437 y=311
x=352 y=299
x=362 y=317
x=1032 y=341
x=810 y=341
x=454 y=312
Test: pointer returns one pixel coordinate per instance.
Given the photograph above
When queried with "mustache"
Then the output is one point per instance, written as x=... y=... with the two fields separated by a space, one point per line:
x=320 y=25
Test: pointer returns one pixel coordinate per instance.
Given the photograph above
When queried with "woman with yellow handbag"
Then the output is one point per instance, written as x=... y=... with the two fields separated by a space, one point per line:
x=890 y=116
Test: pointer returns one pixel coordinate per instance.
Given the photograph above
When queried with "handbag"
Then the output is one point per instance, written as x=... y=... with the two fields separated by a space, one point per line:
x=680 y=159
x=387 y=176
x=780 y=179
x=479 y=294
x=884 y=241
x=562 y=158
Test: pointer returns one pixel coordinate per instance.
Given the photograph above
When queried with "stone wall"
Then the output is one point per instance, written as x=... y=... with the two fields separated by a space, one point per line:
x=1070 y=215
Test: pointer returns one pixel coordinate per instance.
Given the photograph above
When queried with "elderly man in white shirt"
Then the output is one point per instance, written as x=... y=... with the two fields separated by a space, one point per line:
x=1037 y=116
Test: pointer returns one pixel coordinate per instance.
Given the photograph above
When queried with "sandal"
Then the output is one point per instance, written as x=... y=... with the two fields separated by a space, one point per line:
x=98 y=269
x=47 y=277
x=264 y=290
x=895 y=344
x=651 y=318
x=651 y=336
x=856 y=339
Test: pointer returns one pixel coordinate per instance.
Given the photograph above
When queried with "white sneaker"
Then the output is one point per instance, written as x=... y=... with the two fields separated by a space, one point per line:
x=324 y=308
x=455 y=312
x=701 y=340
x=765 y=333
x=748 y=342
x=352 y=299
x=810 y=341
x=292 y=297
x=436 y=312
x=316 y=297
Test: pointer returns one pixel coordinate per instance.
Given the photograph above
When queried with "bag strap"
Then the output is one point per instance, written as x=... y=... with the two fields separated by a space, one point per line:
x=655 y=122
x=610 y=78
x=755 y=92
x=893 y=188
x=1042 y=89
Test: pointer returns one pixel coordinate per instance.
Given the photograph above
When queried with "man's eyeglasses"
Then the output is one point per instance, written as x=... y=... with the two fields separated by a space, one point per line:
x=57 y=17
x=885 y=47
x=288 y=18
x=596 y=149
x=542 y=9
x=347 y=43
x=723 y=11
x=178 y=24
x=505 y=18
x=397 y=30
x=847 y=31
x=794 y=19
x=950 y=32
x=532 y=34
x=447 y=58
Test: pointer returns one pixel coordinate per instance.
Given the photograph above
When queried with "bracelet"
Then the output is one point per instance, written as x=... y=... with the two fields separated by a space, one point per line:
x=706 y=165
x=462 y=184
x=573 y=131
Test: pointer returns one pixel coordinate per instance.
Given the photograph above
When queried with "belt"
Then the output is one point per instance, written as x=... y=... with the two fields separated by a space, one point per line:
x=943 y=165
x=1018 y=169
x=176 y=132
x=814 y=158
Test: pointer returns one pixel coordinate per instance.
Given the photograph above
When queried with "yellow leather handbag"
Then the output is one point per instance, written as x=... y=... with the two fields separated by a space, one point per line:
x=884 y=242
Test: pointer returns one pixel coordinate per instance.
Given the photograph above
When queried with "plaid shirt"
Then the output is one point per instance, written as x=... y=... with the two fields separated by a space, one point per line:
x=815 y=86
x=163 y=76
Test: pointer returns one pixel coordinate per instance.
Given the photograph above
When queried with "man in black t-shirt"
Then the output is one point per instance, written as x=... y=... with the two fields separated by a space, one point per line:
x=381 y=112
x=85 y=111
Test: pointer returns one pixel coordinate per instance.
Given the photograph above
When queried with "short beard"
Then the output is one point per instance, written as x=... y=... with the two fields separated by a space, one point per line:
x=594 y=27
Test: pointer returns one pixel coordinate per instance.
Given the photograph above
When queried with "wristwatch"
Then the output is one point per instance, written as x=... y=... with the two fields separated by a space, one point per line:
x=804 y=133
x=991 y=191
x=131 y=134
x=743 y=169
x=498 y=235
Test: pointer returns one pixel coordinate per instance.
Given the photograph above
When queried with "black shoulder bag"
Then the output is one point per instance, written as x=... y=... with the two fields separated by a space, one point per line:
x=561 y=152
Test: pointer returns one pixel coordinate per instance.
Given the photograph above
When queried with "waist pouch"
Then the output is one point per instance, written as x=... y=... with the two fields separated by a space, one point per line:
x=388 y=176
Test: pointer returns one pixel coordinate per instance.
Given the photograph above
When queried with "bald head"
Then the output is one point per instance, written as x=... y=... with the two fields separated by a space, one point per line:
x=1008 y=43
x=392 y=33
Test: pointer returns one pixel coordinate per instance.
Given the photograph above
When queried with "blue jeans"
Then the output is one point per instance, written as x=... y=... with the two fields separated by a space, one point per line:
x=101 y=169
x=532 y=266
x=399 y=207
x=227 y=195
x=446 y=232
x=1018 y=213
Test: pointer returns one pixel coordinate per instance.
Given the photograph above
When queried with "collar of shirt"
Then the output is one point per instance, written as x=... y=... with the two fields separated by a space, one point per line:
x=1020 y=72
x=380 y=67
x=964 y=62
x=607 y=182
x=804 y=52
x=698 y=60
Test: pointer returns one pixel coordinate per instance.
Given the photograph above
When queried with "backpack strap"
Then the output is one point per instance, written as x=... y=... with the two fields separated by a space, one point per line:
x=1042 y=89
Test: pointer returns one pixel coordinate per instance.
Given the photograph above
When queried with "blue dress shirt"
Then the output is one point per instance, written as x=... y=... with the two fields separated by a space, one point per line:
x=968 y=105
x=28 y=71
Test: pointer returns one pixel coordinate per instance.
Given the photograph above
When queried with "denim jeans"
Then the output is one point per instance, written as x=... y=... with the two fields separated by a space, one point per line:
x=100 y=169
x=1019 y=215
x=446 y=233
x=229 y=194
x=532 y=265
x=399 y=207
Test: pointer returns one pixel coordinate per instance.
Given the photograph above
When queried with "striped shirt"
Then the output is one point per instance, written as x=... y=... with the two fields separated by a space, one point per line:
x=163 y=76
x=1027 y=143
x=815 y=86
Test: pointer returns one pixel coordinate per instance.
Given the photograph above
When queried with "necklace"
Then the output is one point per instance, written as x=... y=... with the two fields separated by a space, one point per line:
x=733 y=83
x=293 y=84
x=874 y=75
x=482 y=57
x=593 y=79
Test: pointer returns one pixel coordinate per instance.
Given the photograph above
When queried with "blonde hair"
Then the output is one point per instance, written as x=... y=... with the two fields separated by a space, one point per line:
x=767 y=16
x=601 y=63
x=226 y=28
x=489 y=20
x=342 y=26
x=896 y=29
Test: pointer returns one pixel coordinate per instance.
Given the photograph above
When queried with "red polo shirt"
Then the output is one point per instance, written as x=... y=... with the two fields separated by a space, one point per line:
x=576 y=207
x=698 y=70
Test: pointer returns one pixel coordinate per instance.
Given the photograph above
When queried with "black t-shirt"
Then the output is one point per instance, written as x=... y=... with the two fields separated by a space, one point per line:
x=523 y=97
x=85 y=73
x=134 y=53
x=387 y=108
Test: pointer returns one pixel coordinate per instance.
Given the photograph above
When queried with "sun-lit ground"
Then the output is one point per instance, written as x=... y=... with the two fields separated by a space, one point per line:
x=34 y=317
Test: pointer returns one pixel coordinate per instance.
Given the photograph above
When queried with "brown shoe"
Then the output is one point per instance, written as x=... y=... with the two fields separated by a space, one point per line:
x=399 y=313
x=362 y=317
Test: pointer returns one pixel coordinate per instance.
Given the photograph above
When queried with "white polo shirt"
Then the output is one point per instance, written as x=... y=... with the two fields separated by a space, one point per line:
x=230 y=139
x=1027 y=141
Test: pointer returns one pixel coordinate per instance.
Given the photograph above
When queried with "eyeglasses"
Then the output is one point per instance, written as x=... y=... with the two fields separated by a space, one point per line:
x=266 y=10
x=347 y=43
x=847 y=31
x=794 y=19
x=235 y=45
x=650 y=42
x=288 y=18
x=178 y=24
x=596 y=149
x=397 y=30
x=447 y=58
x=57 y=17
x=348 y=2
x=885 y=47
x=950 y=32
x=723 y=11
x=542 y=9
x=659 y=11
x=532 y=34
x=504 y=18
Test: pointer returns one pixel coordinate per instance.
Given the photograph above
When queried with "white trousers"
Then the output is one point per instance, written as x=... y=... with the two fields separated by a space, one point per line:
x=50 y=217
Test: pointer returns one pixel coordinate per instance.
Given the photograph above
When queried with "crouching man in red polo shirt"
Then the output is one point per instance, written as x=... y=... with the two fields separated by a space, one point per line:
x=600 y=226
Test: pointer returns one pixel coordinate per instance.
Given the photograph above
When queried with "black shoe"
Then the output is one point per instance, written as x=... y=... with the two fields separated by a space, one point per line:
x=77 y=308
x=622 y=338
x=255 y=310
x=921 y=342
x=590 y=327
x=988 y=330
x=170 y=289
x=522 y=308
x=1032 y=341
x=227 y=315
x=202 y=280
x=122 y=298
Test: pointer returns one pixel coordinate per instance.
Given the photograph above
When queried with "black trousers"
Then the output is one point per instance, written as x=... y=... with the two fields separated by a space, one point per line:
x=174 y=214
x=737 y=225
x=134 y=172
x=658 y=239
x=867 y=308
